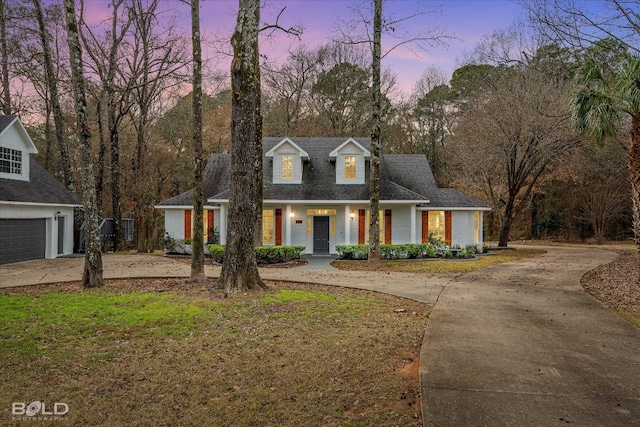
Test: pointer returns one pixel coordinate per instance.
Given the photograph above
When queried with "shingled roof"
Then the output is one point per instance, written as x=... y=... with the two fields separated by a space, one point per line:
x=42 y=187
x=403 y=177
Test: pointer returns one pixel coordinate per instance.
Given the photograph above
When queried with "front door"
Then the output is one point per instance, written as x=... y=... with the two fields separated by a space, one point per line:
x=60 y=235
x=320 y=234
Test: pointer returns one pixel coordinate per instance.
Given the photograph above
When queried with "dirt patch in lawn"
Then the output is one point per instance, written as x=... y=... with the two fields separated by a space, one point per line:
x=164 y=352
x=616 y=285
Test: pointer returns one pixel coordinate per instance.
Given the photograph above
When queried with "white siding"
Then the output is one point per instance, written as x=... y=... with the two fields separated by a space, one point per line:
x=400 y=224
x=462 y=231
x=48 y=212
x=174 y=223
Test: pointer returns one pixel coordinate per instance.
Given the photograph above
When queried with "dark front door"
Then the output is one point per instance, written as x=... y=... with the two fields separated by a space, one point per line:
x=320 y=234
x=60 y=235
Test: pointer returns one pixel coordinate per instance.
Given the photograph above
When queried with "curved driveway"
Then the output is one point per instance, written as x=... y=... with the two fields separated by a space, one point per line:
x=521 y=344
x=517 y=344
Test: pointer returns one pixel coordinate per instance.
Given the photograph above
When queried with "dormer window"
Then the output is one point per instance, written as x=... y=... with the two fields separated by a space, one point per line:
x=286 y=169
x=350 y=167
x=10 y=160
x=350 y=159
x=287 y=162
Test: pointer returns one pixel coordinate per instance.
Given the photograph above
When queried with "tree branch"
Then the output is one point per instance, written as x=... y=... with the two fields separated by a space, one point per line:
x=295 y=30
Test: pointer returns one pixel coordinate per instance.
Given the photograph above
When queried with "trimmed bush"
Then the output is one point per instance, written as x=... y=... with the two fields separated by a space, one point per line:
x=265 y=255
x=353 y=251
x=406 y=251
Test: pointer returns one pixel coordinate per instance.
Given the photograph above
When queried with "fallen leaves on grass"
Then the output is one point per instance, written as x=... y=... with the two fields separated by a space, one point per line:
x=294 y=355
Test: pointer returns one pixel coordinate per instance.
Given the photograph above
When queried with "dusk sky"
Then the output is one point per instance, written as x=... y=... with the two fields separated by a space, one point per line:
x=466 y=20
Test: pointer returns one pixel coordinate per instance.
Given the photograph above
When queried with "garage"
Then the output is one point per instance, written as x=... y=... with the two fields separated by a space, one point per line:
x=22 y=239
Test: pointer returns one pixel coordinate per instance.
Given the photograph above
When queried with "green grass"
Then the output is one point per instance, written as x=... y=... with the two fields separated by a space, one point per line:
x=294 y=355
x=441 y=266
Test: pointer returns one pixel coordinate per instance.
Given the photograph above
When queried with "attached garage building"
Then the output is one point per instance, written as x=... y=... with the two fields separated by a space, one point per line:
x=36 y=210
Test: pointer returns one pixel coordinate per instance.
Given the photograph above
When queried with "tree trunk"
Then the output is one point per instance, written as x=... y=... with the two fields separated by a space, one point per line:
x=374 y=164
x=505 y=227
x=63 y=146
x=102 y=152
x=239 y=268
x=197 y=256
x=92 y=274
x=6 y=98
x=114 y=146
x=634 y=172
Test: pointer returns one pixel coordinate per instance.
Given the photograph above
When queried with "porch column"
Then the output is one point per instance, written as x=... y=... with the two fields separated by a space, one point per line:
x=223 y=224
x=287 y=226
x=347 y=224
x=413 y=224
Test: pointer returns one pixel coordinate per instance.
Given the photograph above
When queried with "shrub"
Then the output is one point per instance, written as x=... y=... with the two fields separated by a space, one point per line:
x=388 y=252
x=353 y=251
x=265 y=255
x=216 y=252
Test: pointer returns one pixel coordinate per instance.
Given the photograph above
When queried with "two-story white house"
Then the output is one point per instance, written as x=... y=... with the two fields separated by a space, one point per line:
x=316 y=195
x=36 y=210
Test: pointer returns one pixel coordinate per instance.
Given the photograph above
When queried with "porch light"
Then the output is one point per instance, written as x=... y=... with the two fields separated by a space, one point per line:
x=352 y=215
x=292 y=214
x=56 y=215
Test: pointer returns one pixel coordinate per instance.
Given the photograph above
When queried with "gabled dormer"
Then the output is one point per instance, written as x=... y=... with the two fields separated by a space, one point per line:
x=350 y=159
x=15 y=148
x=287 y=162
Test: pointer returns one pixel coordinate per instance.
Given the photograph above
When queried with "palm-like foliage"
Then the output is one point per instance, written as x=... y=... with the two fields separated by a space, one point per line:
x=600 y=107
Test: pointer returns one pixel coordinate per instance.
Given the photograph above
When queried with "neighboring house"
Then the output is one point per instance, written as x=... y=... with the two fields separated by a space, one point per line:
x=36 y=210
x=316 y=194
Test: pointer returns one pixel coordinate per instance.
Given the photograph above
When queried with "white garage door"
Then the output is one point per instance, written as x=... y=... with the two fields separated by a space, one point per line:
x=22 y=239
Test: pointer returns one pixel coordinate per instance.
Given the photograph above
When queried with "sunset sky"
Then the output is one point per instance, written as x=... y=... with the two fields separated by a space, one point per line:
x=466 y=20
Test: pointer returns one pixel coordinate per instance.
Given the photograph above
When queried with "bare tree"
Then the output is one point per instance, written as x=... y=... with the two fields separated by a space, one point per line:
x=51 y=81
x=239 y=268
x=6 y=93
x=106 y=56
x=374 y=163
x=157 y=62
x=578 y=26
x=92 y=275
x=509 y=138
x=197 y=256
x=360 y=31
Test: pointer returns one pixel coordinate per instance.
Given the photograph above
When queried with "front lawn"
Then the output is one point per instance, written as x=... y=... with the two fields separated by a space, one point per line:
x=161 y=352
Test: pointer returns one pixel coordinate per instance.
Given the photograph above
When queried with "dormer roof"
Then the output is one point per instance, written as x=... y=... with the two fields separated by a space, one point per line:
x=303 y=154
x=7 y=122
x=335 y=152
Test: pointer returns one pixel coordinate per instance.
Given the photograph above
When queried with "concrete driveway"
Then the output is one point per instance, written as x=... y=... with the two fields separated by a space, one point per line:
x=521 y=344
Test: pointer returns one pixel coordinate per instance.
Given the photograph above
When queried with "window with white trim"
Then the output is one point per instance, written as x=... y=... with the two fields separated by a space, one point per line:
x=350 y=167
x=10 y=160
x=286 y=167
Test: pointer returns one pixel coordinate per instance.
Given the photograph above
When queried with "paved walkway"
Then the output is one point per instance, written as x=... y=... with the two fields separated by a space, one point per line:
x=519 y=344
